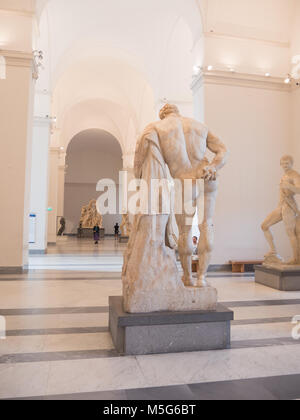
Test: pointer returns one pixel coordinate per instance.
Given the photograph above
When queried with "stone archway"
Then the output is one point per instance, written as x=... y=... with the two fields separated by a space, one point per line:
x=91 y=155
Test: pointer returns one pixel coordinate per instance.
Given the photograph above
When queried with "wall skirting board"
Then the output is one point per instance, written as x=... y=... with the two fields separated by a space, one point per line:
x=220 y=268
x=13 y=270
x=37 y=251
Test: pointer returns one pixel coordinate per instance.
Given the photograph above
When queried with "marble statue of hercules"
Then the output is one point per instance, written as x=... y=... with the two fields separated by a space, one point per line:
x=184 y=142
x=287 y=211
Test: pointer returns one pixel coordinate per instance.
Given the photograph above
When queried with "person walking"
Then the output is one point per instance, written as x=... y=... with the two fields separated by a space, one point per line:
x=96 y=231
x=117 y=231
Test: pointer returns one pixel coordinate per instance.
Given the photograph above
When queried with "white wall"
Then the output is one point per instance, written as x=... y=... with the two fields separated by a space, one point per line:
x=251 y=35
x=295 y=50
x=255 y=126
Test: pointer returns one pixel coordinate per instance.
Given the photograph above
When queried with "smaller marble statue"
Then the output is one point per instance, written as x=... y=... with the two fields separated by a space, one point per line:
x=62 y=226
x=90 y=216
x=288 y=212
x=125 y=226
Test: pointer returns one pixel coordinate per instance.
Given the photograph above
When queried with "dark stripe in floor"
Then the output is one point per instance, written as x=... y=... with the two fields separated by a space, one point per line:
x=267 y=342
x=270 y=388
x=64 y=279
x=279 y=320
x=107 y=278
x=54 y=311
x=56 y=331
x=104 y=309
x=103 y=329
x=57 y=356
x=102 y=354
x=253 y=303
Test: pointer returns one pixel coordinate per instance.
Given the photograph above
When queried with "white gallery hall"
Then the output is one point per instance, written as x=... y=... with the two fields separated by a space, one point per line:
x=150 y=202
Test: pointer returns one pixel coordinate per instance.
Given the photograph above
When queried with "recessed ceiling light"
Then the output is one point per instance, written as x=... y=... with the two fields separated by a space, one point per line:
x=268 y=74
x=210 y=68
x=287 y=80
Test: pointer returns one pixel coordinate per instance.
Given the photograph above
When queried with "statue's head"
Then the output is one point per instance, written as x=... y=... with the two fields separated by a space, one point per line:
x=92 y=203
x=287 y=162
x=167 y=110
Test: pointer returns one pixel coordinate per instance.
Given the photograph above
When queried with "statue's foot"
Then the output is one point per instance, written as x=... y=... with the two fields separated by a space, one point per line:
x=188 y=282
x=293 y=262
x=202 y=282
x=273 y=258
x=271 y=254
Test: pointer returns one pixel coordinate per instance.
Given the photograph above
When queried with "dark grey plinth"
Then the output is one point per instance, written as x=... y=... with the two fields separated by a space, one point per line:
x=168 y=332
x=13 y=270
x=124 y=239
x=284 y=279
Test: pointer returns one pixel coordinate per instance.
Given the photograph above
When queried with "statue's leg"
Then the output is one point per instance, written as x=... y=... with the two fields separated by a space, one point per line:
x=274 y=218
x=185 y=248
x=290 y=220
x=206 y=241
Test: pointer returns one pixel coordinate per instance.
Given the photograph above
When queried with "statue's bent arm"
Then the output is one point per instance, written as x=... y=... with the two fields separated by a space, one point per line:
x=297 y=184
x=295 y=188
x=215 y=145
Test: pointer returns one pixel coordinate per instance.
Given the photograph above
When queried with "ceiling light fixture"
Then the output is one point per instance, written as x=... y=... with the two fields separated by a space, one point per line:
x=287 y=80
x=210 y=68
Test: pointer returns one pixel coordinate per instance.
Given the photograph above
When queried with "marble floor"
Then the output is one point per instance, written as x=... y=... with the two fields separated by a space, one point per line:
x=58 y=346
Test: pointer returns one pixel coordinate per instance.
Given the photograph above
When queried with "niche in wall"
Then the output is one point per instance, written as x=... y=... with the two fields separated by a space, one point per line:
x=91 y=155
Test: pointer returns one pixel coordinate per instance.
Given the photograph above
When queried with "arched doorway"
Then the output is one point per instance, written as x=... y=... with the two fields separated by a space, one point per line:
x=91 y=155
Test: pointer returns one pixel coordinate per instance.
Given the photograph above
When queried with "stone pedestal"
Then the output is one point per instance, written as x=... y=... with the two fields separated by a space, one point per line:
x=168 y=332
x=124 y=239
x=280 y=277
x=89 y=233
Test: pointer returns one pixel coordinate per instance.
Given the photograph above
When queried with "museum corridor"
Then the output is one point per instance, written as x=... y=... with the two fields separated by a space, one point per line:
x=58 y=344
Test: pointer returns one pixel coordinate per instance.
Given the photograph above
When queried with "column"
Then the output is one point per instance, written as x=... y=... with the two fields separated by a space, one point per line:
x=16 y=93
x=61 y=185
x=39 y=185
x=53 y=195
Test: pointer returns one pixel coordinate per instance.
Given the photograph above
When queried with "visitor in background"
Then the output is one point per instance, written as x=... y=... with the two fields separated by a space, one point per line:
x=96 y=231
x=117 y=231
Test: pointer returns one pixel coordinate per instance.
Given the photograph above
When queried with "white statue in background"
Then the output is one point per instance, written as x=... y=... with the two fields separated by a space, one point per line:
x=151 y=281
x=90 y=216
x=288 y=212
x=125 y=226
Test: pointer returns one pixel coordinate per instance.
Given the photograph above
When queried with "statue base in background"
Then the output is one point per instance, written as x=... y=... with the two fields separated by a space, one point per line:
x=168 y=332
x=124 y=239
x=279 y=276
x=87 y=233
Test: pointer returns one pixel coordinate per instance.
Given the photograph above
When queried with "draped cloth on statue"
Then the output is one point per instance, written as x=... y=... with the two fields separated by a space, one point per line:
x=151 y=280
